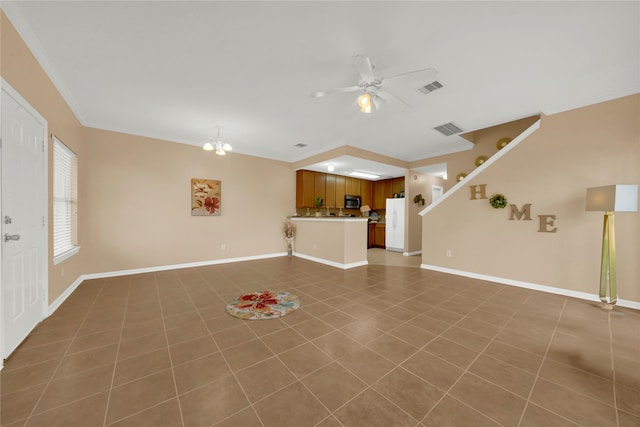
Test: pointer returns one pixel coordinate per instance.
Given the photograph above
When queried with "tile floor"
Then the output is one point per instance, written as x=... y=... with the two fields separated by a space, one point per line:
x=379 y=256
x=371 y=346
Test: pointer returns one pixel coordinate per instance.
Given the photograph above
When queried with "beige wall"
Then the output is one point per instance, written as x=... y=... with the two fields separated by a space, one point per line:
x=551 y=169
x=21 y=70
x=485 y=144
x=138 y=204
x=417 y=183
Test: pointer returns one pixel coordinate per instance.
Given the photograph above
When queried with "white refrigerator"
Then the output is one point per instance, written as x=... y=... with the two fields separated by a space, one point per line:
x=394 y=238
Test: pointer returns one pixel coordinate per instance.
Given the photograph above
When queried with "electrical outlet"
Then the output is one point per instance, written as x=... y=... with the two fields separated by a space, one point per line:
x=449 y=253
x=315 y=246
x=62 y=272
x=223 y=246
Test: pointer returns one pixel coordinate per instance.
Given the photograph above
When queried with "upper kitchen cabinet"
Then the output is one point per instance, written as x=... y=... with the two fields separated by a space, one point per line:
x=379 y=198
x=385 y=189
x=366 y=192
x=330 y=191
x=305 y=189
x=397 y=185
x=388 y=190
x=341 y=188
x=319 y=186
x=353 y=186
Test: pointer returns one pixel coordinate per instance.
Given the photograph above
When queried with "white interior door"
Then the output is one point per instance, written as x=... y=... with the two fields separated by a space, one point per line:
x=23 y=217
x=436 y=193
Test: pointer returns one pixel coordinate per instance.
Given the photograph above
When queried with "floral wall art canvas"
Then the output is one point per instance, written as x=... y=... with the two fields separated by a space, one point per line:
x=205 y=197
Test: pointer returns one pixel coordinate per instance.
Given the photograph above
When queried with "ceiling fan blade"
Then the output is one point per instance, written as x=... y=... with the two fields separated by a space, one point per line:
x=363 y=65
x=424 y=76
x=390 y=95
x=321 y=93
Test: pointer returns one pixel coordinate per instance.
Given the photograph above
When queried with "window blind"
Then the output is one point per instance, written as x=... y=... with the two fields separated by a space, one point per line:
x=64 y=198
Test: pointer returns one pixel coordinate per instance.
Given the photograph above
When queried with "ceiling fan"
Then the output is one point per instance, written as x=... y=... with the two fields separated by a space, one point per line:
x=374 y=90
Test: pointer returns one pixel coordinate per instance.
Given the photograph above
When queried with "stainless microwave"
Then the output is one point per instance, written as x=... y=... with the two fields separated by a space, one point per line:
x=351 y=202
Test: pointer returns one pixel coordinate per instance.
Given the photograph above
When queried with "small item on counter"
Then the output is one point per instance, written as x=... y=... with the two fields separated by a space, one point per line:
x=340 y=213
x=308 y=213
x=365 y=210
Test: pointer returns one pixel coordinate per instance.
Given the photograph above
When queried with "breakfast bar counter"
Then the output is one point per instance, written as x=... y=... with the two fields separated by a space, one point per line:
x=337 y=241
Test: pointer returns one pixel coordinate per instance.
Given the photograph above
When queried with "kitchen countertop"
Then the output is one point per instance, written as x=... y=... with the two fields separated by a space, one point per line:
x=328 y=218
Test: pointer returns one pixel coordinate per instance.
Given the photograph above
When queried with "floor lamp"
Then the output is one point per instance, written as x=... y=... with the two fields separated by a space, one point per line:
x=610 y=199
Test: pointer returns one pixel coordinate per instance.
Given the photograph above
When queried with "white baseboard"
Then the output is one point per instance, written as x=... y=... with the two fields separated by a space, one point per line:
x=177 y=266
x=331 y=263
x=533 y=286
x=63 y=296
x=58 y=302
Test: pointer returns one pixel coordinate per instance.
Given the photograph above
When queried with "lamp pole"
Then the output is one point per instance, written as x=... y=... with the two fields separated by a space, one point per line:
x=608 y=262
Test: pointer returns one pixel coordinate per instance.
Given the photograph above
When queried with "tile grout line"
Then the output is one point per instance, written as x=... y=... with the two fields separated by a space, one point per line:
x=46 y=387
x=613 y=368
x=544 y=358
x=275 y=355
x=223 y=358
x=466 y=370
x=398 y=365
x=115 y=364
x=166 y=339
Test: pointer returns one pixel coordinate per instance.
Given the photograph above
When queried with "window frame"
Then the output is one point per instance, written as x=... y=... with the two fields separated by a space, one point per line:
x=65 y=202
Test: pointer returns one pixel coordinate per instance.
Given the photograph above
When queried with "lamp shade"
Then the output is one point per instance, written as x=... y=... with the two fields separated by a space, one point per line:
x=612 y=198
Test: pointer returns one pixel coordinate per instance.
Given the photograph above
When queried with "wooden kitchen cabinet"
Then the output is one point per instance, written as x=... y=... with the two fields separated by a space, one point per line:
x=397 y=185
x=384 y=189
x=379 y=198
x=319 y=186
x=366 y=192
x=305 y=189
x=388 y=190
x=379 y=238
x=330 y=191
x=371 y=241
x=340 y=190
x=352 y=186
x=381 y=192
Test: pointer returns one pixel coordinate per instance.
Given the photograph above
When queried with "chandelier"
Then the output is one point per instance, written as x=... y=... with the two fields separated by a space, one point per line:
x=217 y=144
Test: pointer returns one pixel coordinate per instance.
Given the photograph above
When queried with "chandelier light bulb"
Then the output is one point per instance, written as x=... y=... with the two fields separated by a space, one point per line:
x=207 y=146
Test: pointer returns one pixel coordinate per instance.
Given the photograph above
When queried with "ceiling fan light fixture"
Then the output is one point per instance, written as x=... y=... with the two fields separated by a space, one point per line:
x=364 y=102
x=208 y=146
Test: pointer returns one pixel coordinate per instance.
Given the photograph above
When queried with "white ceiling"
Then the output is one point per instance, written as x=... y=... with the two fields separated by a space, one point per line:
x=175 y=70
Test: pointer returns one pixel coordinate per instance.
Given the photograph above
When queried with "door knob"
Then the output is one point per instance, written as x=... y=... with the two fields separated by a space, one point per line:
x=8 y=237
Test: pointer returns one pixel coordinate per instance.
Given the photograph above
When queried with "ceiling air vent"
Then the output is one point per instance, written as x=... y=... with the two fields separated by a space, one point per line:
x=448 y=129
x=430 y=87
x=300 y=145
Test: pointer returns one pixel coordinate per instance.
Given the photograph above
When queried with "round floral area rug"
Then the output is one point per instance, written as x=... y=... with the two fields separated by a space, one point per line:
x=263 y=305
